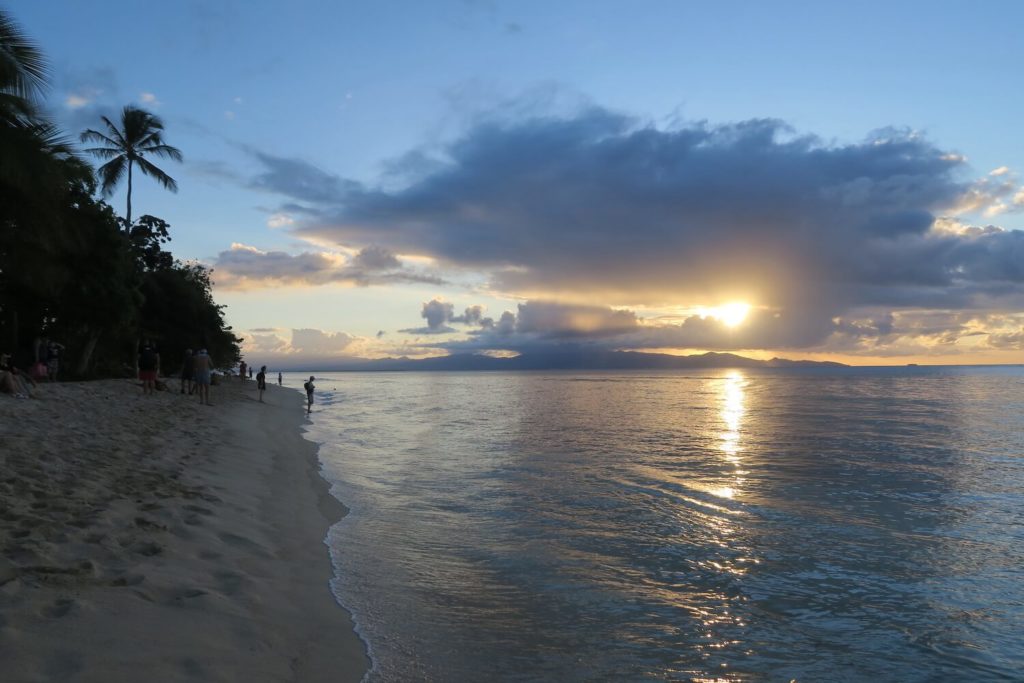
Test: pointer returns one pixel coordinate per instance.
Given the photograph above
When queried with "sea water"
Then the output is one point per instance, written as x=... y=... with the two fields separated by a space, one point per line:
x=818 y=525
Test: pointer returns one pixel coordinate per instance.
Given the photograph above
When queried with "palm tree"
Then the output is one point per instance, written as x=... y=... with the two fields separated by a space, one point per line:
x=141 y=133
x=27 y=141
x=23 y=71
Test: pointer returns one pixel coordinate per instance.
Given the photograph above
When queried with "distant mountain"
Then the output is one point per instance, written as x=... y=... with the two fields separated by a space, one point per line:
x=574 y=360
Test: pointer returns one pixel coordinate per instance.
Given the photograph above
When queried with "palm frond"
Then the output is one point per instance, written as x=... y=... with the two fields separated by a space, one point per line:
x=137 y=124
x=154 y=172
x=90 y=135
x=103 y=152
x=154 y=138
x=23 y=69
x=162 y=150
x=110 y=174
x=115 y=133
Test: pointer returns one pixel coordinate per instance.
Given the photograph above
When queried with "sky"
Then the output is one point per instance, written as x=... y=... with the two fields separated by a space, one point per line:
x=830 y=181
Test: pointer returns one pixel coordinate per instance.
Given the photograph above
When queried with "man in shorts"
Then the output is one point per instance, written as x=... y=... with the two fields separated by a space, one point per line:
x=203 y=365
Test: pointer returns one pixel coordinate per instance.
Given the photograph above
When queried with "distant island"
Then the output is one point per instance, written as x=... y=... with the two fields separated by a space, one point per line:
x=570 y=360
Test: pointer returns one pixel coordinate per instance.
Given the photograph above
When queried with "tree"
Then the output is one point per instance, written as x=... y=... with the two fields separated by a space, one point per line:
x=23 y=72
x=141 y=134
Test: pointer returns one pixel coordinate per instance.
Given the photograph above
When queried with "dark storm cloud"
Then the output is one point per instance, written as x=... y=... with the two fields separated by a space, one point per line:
x=635 y=214
x=599 y=206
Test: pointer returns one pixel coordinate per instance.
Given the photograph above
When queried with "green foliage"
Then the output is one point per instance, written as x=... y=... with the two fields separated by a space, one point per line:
x=70 y=268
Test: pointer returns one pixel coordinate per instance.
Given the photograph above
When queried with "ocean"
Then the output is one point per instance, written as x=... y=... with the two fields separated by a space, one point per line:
x=717 y=525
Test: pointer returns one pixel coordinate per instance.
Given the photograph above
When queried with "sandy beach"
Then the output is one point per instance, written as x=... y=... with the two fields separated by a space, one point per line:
x=155 y=538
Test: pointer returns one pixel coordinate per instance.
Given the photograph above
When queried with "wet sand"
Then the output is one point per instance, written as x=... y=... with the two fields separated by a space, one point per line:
x=155 y=538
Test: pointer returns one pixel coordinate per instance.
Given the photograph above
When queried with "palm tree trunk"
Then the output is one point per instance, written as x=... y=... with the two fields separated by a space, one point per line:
x=129 y=194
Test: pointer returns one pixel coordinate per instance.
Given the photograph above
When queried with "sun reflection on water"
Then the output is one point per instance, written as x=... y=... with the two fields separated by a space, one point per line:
x=732 y=416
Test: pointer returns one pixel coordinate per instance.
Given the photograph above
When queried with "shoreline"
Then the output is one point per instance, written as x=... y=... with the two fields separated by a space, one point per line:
x=153 y=536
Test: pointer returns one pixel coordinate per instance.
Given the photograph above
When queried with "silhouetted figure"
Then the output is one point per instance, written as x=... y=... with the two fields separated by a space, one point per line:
x=149 y=368
x=308 y=386
x=188 y=372
x=261 y=381
x=203 y=367
x=279 y=379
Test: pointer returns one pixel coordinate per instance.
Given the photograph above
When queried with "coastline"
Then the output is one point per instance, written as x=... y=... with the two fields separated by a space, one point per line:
x=153 y=536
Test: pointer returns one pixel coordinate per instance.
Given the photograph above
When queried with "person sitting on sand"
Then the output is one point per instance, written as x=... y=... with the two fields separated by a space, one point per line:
x=203 y=366
x=261 y=381
x=149 y=368
x=14 y=381
x=308 y=386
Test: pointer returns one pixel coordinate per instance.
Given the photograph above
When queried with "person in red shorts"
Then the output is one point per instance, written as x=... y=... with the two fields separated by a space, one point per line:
x=149 y=368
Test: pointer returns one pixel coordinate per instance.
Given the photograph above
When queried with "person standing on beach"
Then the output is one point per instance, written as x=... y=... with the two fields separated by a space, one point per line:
x=261 y=381
x=188 y=372
x=202 y=368
x=241 y=370
x=250 y=372
x=53 y=351
x=149 y=368
x=279 y=379
x=308 y=386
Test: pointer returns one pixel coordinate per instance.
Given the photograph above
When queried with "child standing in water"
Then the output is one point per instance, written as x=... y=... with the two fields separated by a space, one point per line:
x=308 y=386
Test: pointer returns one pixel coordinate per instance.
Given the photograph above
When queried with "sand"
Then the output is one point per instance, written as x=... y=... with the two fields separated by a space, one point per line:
x=152 y=538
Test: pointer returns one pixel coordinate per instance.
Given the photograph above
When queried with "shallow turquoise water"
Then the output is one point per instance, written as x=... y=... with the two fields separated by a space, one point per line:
x=727 y=525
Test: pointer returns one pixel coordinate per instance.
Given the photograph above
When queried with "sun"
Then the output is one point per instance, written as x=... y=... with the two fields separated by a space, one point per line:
x=730 y=315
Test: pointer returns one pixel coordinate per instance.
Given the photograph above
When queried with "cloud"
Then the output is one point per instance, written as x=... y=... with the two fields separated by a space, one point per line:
x=437 y=314
x=302 y=348
x=280 y=220
x=602 y=206
x=595 y=206
x=76 y=101
x=541 y=327
x=246 y=267
x=376 y=258
x=298 y=179
x=317 y=342
x=149 y=99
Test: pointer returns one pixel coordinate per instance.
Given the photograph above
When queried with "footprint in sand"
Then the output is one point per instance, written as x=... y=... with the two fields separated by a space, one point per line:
x=148 y=549
x=128 y=580
x=59 y=608
x=230 y=582
x=144 y=523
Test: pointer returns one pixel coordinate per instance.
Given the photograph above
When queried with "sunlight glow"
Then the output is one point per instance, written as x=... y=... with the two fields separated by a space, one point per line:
x=730 y=314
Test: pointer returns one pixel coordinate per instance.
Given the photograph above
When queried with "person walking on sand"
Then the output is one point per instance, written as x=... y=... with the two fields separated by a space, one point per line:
x=188 y=372
x=308 y=386
x=279 y=379
x=149 y=368
x=202 y=367
x=261 y=381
